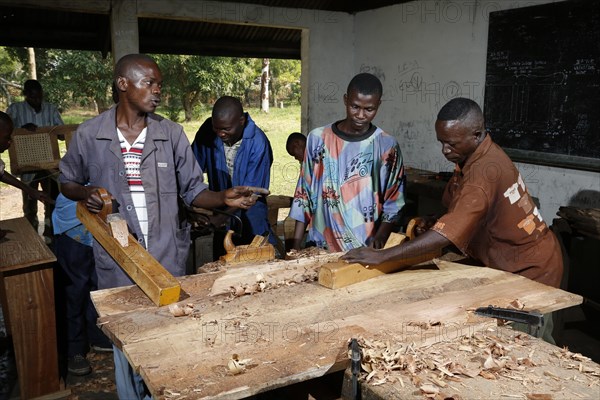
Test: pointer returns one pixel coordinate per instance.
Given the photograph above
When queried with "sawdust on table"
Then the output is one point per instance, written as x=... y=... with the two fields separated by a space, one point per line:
x=439 y=370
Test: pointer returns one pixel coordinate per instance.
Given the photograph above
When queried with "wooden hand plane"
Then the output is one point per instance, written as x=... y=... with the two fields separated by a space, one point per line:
x=259 y=250
x=340 y=273
x=110 y=230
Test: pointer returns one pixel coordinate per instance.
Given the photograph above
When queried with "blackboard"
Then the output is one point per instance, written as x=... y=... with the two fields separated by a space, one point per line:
x=542 y=90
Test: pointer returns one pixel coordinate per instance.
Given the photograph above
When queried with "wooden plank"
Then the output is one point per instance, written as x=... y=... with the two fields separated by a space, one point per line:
x=298 y=332
x=22 y=246
x=154 y=280
x=271 y=272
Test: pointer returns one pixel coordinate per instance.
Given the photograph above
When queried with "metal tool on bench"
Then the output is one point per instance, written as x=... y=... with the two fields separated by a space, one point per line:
x=533 y=319
x=355 y=366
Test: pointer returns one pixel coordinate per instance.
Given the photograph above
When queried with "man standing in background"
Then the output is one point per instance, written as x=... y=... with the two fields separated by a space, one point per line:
x=31 y=114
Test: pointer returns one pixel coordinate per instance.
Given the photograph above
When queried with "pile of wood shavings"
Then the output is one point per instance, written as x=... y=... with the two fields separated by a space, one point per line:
x=305 y=253
x=438 y=369
x=262 y=285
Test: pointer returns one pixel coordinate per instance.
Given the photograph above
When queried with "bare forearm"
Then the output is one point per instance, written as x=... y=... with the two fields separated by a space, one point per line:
x=382 y=235
x=13 y=181
x=209 y=199
x=426 y=243
x=74 y=191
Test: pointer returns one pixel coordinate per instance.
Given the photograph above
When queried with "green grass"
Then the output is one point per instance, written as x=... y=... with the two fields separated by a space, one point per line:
x=277 y=125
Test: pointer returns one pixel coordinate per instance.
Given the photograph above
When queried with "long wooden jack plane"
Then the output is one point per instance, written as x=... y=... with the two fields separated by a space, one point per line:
x=340 y=273
x=110 y=230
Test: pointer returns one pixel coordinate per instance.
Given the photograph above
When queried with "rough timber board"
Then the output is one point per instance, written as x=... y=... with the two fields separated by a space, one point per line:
x=298 y=332
x=129 y=298
x=158 y=284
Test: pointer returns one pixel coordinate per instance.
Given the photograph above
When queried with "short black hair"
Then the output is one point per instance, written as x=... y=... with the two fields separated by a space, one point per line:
x=458 y=109
x=365 y=83
x=6 y=120
x=227 y=105
x=293 y=137
x=122 y=66
x=31 y=85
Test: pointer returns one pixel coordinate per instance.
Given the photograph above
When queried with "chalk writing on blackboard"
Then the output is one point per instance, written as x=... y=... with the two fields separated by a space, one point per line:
x=542 y=92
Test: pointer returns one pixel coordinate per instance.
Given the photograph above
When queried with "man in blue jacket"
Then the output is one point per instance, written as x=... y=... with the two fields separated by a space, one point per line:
x=233 y=151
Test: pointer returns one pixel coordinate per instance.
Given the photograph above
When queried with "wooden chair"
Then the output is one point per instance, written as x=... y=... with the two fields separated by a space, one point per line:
x=33 y=151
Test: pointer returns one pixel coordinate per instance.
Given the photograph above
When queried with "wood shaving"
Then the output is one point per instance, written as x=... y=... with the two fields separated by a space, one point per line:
x=181 y=311
x=237 y=366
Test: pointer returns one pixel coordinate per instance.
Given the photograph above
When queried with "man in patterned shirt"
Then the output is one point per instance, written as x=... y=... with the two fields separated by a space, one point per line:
x=351 y=186
x=145 y=161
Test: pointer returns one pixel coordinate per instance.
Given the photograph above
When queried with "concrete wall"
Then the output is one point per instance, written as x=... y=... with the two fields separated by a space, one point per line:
x=428 y=52
x=327 y=45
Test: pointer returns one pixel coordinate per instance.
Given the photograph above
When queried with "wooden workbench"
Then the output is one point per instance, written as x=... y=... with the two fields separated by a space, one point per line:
x=27 y=294
x=296 y=332
x=496 y=363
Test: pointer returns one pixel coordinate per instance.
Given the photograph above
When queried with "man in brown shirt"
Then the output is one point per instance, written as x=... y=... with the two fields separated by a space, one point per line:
x=491 y=216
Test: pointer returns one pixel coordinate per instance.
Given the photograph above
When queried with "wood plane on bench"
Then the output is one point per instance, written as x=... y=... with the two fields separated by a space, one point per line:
x=259 y=250
x=340 y=273
x=154 y=280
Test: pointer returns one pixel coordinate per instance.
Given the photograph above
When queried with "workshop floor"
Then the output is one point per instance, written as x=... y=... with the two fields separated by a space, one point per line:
x=581 y=334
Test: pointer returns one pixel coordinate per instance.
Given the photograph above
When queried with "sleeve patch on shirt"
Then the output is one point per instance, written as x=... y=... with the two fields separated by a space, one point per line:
x=520 y=182
x=527 y=224
x=513 y=193
x=162 y=165
x=525 y=204
x=439 y=225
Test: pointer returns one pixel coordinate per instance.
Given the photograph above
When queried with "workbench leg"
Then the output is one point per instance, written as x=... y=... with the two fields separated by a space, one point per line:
x=30 y=295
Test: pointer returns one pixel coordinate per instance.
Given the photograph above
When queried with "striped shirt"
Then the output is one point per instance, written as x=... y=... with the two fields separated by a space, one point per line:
x=22 y=113
x=132 y=158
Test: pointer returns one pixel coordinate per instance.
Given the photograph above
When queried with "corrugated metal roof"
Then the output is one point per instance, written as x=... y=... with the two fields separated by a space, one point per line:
x=52 y=28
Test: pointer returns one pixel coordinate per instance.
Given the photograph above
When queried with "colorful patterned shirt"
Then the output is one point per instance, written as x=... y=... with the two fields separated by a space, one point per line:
x=348 y=186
